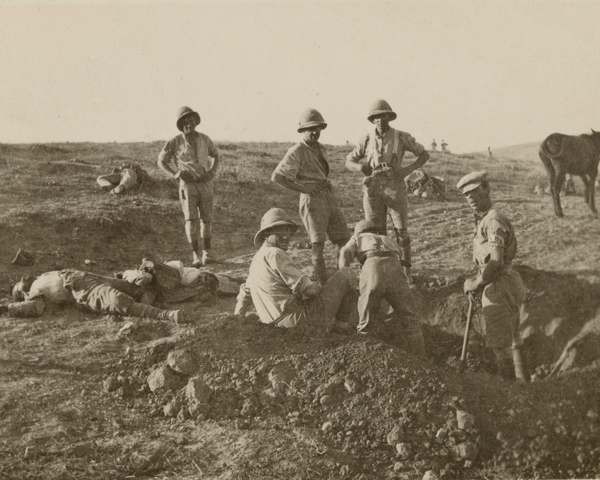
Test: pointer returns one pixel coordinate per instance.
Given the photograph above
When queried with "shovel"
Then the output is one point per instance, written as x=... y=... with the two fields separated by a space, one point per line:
x=463 y=355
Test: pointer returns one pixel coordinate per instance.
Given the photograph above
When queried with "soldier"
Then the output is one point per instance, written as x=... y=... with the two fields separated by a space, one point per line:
x=433 y=145
x=97 y=293
x=304 y=169
x=122 y=179
x=282 y=294
x=384 y=188
x=503 y=292
x=195 y=160
x=381 y=277
x=444 y=146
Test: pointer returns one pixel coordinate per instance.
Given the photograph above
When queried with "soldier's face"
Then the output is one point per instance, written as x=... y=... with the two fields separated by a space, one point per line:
x=479 y=198
x=188 y=124
x=280 y=237
x=381 y=122
x=311 y=135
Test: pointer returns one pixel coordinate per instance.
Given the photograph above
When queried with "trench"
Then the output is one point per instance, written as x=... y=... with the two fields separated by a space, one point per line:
x=560 y=310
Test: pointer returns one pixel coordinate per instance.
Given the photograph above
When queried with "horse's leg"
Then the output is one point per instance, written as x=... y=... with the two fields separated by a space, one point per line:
x=552 y=179
x=586 y=193
x=559 y=179
x=592 y=192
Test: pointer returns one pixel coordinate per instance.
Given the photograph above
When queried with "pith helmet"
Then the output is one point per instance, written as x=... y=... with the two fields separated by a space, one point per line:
x=381 y=106
x=471 y=181
x=184 y=112
x=311 y=118
x=273 y=218
x=365 y=226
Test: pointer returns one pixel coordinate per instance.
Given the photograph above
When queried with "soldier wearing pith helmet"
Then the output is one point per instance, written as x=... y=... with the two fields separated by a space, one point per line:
x=379 y=156
x=501 y=287
x=193 y=159
x=305 y=169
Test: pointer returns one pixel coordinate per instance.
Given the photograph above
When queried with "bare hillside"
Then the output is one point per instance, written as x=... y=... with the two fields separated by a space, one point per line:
x=78 y=390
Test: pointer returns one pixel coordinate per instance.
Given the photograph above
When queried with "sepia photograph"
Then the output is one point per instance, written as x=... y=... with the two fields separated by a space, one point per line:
x=299 y=239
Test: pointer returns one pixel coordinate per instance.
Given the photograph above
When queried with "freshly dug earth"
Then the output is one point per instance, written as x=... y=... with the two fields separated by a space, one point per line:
x=91 y=396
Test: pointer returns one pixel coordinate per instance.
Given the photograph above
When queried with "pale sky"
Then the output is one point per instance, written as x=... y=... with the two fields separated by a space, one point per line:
x=476 y=73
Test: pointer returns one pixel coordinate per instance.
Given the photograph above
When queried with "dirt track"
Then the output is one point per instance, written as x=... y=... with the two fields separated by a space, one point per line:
x=75 y=401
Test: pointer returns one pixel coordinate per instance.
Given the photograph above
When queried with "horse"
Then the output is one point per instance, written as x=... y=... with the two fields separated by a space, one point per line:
x=577 y=155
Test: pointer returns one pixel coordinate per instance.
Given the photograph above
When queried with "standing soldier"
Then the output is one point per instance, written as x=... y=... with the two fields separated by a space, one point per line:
x=503 y=292
x=304 y=169
x=444 y=145
x=434 y=145
x=384 y=187
x=195 y=160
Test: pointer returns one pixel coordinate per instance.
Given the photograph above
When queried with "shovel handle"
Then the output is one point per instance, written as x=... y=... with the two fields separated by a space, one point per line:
x=463 y=355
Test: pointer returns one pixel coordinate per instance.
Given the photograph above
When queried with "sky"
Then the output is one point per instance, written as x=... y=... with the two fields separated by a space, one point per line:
x=473 y=73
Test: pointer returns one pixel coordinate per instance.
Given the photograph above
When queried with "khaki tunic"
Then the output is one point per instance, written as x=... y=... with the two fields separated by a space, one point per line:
x=321 y=215
x=502 y=299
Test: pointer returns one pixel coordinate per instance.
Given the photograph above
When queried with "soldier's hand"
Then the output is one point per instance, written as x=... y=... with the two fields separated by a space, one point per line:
x=366 y=169
x=208 y=176
x=470 y=285
x=313 y=188
x=185 y=176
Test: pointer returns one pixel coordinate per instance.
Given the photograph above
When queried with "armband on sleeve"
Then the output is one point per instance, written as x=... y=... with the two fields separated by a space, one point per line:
x=496 y=241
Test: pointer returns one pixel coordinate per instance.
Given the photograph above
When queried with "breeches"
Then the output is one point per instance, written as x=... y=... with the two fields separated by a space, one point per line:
x=336 y=300
x=387 y=196
x=197 y=200
x=322 y=218
x=382 y=278
x=501 y=303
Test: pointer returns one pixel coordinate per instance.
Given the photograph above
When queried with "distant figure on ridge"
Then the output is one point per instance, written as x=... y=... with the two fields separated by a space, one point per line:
x=304 y=169
x=444 y=145
x=192 y=158
x=433 y=145
x=383 y=186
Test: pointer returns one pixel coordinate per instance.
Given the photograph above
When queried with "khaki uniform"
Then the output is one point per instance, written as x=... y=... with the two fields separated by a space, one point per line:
x=381 y=277
x=320 y=213
x=276 y=286
x=381 y=191
x=197 y=158
x=100 y=294
x=502 y=299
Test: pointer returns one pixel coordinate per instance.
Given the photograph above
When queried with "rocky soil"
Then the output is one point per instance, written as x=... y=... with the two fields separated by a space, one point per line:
x=90 y=396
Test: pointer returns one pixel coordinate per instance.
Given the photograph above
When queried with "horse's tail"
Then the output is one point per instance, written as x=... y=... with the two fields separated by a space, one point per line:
x=553 y=146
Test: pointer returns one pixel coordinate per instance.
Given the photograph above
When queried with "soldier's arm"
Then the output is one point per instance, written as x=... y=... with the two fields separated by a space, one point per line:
x=489 y=273
x=295 y=186
x=353 y=160
x=347 y=253
x=412 y=146
x=214 y=154
x=244 y=301
x=164 y=159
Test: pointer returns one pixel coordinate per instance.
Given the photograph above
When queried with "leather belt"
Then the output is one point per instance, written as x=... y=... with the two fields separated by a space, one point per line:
x=380 y=253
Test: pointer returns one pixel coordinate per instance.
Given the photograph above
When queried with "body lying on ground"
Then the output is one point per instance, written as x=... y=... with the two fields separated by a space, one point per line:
x=285 y=296
x=122 y=179
x=96 y=292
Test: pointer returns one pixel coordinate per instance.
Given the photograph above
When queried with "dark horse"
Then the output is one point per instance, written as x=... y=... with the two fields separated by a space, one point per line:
x=577 y=155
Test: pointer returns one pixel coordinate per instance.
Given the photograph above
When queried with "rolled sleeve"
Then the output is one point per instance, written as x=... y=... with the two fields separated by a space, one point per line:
x=412 y=145
x=294 y=278
x=290 y=165
x=166 y=153
x=359 y=151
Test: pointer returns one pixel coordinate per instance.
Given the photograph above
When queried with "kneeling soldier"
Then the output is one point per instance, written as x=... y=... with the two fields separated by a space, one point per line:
x=381 y=277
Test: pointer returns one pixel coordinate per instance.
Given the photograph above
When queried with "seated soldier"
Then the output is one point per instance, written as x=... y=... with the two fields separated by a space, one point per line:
x=98 y=293
x=285 y=296
x=381 y=277
x=121 y=179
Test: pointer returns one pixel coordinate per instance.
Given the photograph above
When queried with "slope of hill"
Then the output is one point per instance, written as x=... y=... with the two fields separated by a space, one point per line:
x=525 y=151
x=75 y=400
